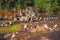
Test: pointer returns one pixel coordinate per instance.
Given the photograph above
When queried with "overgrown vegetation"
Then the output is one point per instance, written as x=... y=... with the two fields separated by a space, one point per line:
x=39 y=5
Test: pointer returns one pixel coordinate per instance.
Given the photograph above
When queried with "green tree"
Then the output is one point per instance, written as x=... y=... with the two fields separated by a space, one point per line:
x=44 y=4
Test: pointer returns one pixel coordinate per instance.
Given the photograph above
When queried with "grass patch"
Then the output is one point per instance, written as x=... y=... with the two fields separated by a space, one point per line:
x=13 y=28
